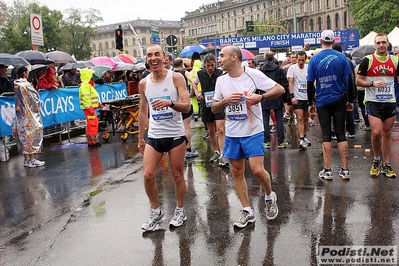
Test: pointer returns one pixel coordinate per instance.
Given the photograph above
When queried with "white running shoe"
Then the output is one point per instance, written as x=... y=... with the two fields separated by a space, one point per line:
x=271 y=207
x=155 y=222
x=178 y=218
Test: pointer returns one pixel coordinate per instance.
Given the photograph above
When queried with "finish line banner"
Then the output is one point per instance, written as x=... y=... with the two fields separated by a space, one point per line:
x=348 y=38
x=58 y=106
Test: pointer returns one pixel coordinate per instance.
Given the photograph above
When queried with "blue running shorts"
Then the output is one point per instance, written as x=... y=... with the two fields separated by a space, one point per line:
x=244 y=147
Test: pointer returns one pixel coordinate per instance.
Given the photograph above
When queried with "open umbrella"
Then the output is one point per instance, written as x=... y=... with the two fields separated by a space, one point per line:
x=99 y=71
x=81 y=64
x=126 y=58
x=35 y=57
x=124 y=67
x=362 y=51
x=38 y=67
x=211 y=49
x=103 y=61
x=60 y=57
x=189 y=50
x=12 y=60
x=87 y=64
x=247 y=54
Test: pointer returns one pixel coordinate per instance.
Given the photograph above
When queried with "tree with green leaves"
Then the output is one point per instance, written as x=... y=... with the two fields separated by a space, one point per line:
x=77 y=29
x=3 y=13
x=374 y=15
x=16 y=30
x=71 y=34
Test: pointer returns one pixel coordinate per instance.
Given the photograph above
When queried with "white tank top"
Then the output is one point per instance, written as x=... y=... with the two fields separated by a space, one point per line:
x=164 y=123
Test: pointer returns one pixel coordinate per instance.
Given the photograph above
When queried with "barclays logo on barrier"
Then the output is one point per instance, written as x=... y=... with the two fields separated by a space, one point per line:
x=7 y=113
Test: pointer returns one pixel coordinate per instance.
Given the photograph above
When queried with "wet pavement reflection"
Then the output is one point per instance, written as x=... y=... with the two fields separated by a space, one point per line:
x=86 y=207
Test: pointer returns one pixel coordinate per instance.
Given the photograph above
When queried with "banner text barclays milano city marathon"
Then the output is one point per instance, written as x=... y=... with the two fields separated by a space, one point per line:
x=294 y=41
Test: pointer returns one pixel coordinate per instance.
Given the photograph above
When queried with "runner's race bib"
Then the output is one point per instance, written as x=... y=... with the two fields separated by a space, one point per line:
x=237 y=111
x=209 y=98
x=303 y=86
x=385 y=92
x=163 y=113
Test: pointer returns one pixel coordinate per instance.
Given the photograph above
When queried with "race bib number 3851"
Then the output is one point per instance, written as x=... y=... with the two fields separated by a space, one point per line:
x=237 y=111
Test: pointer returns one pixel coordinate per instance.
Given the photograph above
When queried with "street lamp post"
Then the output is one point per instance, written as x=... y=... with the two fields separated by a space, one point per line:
x=294 y=10
x=26 y=32
x=182 y=38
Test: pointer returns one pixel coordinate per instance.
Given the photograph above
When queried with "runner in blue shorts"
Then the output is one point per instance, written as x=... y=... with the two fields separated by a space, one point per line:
x=235 y=94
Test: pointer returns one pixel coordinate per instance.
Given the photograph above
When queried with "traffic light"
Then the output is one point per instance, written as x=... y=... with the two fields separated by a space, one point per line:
x=249 y=25
x=119 y=39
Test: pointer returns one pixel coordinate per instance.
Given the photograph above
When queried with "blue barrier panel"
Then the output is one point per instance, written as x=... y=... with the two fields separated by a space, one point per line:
x=58 y=106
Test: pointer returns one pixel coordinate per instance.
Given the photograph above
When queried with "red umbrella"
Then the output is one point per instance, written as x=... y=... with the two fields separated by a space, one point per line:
x=247 y=54
x=103 y=61
x=127 y=58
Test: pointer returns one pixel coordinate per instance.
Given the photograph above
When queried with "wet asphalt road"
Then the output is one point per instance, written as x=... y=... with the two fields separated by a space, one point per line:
x=86 y=207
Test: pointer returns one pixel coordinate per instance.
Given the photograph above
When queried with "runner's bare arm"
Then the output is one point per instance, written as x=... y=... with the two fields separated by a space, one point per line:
x=143 y=113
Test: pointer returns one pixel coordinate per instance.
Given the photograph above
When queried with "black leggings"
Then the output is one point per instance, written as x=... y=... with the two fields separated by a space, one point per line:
x=336 y=110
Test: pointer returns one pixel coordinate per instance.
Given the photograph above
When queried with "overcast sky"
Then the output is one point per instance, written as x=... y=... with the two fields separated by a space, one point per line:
x=113 y=11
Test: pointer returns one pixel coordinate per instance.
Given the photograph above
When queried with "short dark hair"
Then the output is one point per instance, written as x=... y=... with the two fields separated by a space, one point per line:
x=178 y=62
x=209 y=58
x=269 y=56
x=337 y=47
x=21 y=70
x=300 y=53
x=253 y=61
x=195 y=56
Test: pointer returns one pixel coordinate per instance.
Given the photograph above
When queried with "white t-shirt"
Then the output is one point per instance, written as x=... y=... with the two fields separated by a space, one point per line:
x=166 y=122
x=300 y=83
x=242 y=120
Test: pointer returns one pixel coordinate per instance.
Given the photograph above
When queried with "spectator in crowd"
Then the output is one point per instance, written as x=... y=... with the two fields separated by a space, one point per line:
x=47 y=81
x=146 y=72
x=105 y=79
x=276 y=73
x=5 y=82
x=28 y=120
x=251 y=63
x=70 y=78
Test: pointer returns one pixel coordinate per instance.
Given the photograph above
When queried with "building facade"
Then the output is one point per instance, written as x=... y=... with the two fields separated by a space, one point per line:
x=228 y=18
x=137 y=36
x=224 y=19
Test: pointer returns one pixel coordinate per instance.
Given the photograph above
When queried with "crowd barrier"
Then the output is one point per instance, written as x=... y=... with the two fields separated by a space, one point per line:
x=59 y=108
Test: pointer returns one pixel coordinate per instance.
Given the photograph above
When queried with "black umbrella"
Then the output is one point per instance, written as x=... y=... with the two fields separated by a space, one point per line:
x=38 y=67
x=12 y=60
x=211 y=49
x=61 y=57
x=35 y=57
x=361 y=51
x=81 y=64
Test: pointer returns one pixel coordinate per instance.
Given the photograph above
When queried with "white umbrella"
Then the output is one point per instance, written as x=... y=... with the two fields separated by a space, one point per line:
x=60 y=57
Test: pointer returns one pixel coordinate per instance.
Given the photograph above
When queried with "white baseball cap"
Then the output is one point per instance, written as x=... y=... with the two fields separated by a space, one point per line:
x=327 y=36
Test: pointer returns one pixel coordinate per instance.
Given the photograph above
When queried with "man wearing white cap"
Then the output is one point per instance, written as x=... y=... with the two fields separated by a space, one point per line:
x=330 y=69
